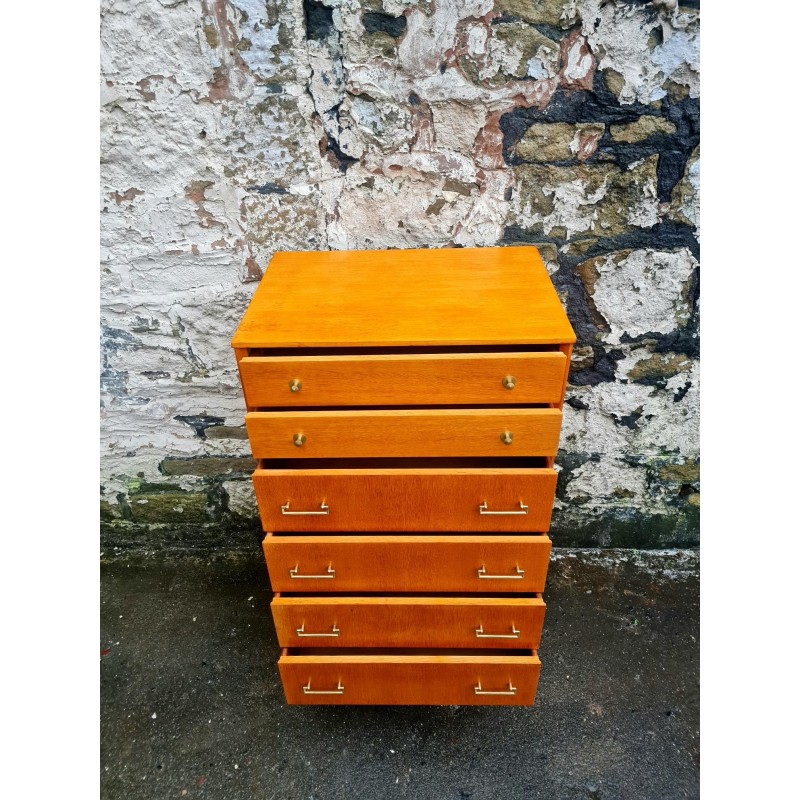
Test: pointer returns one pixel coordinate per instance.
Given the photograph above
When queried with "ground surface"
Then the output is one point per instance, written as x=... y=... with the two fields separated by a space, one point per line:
x=192 y=705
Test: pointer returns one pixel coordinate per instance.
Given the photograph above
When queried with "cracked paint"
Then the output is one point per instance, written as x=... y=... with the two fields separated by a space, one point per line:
x=233 y=128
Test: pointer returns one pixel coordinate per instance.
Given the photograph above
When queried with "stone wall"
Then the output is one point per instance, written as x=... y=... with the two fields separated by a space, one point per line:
x=235 y=128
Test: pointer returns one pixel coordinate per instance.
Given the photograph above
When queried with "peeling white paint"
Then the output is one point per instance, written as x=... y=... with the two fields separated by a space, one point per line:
x=220 y=123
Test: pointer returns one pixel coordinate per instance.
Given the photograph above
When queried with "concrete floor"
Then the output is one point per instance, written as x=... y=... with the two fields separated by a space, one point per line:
x=192 y=705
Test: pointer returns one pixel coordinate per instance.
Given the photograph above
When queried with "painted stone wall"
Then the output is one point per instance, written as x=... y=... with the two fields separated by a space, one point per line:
x=235 y=128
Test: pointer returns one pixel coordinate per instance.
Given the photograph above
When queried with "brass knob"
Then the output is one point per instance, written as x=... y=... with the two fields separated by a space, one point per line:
x=507 y=437
x=299 y=439
x=295 y=385
x=509 y=381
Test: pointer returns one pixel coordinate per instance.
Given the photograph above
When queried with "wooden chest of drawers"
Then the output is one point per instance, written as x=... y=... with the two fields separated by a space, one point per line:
x=404 y=408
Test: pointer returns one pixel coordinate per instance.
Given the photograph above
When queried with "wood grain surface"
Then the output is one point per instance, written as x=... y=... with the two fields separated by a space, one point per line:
x=455 y=622
x=411 y=379
x=452 y=296
x=405 y=499
x=398 y=563
x=410 y=680
x=398 y=433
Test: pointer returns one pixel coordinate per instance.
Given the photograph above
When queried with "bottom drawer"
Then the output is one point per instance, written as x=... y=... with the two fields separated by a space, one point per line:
x=409 y=678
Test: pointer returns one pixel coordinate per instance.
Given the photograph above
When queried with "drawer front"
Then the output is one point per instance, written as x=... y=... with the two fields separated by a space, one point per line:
x=405 y=499
x=432 y=379
x=394 y=564
x=410 y=680
x=456 y=622
x=391 y=434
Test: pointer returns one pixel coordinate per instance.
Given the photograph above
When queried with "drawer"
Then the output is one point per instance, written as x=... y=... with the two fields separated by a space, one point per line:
x=396 y=564
x=410 y=379
x=456 y=622
x=447 y=499
x=399 y=433
x=418 y=679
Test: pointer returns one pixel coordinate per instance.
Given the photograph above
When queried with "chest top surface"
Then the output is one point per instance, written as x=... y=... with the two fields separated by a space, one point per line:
x=384 y=298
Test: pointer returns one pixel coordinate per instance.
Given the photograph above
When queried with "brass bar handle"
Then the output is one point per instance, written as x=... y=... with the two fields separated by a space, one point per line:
x=324 y=511
x=483 y=508
x=479 y=634
x=331 y=573
x=518 y=577
x=301 y=632
x=338 y=690
x=512 y=690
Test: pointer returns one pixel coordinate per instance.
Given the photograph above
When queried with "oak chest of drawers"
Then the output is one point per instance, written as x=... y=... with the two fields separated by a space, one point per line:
x=404 y=408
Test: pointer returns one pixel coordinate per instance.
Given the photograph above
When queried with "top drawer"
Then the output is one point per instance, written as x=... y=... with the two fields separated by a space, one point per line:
x=403 y=380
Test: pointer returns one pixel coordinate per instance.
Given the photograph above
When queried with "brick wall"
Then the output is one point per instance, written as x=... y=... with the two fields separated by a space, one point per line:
x=234 y=129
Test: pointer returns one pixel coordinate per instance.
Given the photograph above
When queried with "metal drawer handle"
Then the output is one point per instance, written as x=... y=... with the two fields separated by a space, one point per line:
x=338 y=690
x=301 y=632
x=324 y=510
x=518 y=577
x=511 y=690
x=479 y=634
x=484 y=509
x=331 y=573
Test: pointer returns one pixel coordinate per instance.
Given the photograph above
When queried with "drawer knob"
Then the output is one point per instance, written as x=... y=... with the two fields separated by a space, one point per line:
x=295 y=385
x=511 y=690
x=509 y=381
x=299 y=439
x=323 y=511
x=334 y=633
x=520 y=574
x=483 y=508
x=338 y=690
x=506 y=436
x=479 y=634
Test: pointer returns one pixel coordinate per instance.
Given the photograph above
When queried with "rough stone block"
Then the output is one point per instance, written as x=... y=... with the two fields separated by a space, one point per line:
x=169 y=508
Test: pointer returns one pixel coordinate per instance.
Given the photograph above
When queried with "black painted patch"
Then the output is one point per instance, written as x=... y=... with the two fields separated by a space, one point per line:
x=268 y=188
x=602 y=106
x=319 y=20
x=602 y=371
x=376 y=22
x=681 y=393
x=200 y=422
x=628 y=420
x=342 y=159
x=577 y=403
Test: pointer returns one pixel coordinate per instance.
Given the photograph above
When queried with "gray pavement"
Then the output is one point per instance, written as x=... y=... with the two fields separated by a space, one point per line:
x=192 y=705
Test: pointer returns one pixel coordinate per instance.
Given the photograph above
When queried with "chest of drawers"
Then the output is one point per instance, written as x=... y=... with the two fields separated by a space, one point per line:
x=404 y=408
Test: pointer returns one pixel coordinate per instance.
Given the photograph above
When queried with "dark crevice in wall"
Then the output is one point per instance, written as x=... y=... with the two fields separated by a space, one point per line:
x=319 y=20
x=268 y=188
x=199 y=423
x=376 y=22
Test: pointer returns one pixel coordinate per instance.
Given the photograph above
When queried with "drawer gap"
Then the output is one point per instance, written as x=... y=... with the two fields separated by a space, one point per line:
x=278 y=534
x=454 y=406
x=422 y=595
x=294 y=352
x=476 y=462
x=402 y=651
